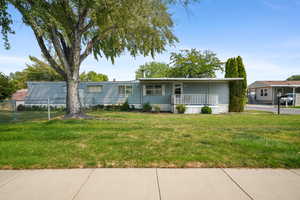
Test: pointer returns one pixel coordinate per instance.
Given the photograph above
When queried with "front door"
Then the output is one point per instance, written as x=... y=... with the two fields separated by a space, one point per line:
x=177 y=92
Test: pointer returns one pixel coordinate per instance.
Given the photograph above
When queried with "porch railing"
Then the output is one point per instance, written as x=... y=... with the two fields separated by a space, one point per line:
x=195 y=99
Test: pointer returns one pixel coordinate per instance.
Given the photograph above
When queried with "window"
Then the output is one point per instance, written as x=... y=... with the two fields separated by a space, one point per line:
x=177 y=89
x=154 y=90
x=94 y=88
x=125 y=90
x=266 y=92
x=261 y=92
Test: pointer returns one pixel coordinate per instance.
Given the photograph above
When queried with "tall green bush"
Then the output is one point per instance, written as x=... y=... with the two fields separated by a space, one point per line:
x=234 y=68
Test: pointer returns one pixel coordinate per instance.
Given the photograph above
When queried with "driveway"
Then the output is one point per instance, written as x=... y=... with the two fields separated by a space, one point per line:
x=150 y=184
x=272 y=108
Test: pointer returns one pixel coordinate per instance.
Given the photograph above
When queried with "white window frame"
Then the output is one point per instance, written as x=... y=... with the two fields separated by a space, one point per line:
x=95 y=86
x=153 y=89
x=126 y=93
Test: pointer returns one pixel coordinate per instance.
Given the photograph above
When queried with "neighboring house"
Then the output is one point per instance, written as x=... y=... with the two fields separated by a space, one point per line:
x=265 y=92
x=163 y=92
x=19 y=96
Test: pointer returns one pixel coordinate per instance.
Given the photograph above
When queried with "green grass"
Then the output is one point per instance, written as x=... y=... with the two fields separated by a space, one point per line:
x=9 y=116
x=121 y=139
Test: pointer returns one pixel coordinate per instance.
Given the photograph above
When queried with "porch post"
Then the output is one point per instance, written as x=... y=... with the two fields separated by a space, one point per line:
x=294 y=96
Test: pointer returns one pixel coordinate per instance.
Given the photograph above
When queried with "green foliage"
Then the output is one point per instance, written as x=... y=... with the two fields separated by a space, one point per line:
x=5 y=22
x=125 y=106
x=152 y=70
x=294 y=78
x=234 y=68
x=93 y=77
x=147 y=107
x=6 y=87
x=195 y=64
x=206 y=110
x=181 y=108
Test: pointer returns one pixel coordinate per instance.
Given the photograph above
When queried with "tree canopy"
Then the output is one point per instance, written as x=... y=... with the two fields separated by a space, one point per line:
x=195 y=64
x=6 y=87
x=294 y=78
x=153 y=70
x=92 y=76
x=74 y=29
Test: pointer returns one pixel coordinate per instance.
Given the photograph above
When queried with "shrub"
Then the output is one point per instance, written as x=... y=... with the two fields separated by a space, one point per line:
x=180 y=108
x=147 y=107
x=157 y=109
x=125 y=106
x=206 y=110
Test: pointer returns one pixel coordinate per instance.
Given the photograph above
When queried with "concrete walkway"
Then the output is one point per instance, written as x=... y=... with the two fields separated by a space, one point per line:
x=150 y=184
x=274 y=109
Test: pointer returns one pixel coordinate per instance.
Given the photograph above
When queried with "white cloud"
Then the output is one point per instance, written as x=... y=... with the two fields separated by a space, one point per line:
x=10 y=64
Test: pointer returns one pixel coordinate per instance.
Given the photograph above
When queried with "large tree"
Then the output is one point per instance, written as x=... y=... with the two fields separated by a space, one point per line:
x=153 y=70
x=195 y=64
x=74 y=29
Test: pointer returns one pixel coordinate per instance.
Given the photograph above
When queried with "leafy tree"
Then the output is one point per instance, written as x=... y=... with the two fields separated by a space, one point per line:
x=74 y=29
x=153 y=70
x=234 y=68
x=93 y=76
x=195 y=64
x=6 y=87
x=294 y=78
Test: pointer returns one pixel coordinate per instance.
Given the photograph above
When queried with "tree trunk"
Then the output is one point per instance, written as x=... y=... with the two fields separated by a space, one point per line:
x=73 y=101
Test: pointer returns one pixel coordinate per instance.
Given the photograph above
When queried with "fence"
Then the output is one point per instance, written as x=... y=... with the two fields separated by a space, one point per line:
x=195 y=99
x=37 y=109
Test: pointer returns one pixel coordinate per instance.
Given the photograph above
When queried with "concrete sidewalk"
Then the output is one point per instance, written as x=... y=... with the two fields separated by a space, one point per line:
x=150 y=184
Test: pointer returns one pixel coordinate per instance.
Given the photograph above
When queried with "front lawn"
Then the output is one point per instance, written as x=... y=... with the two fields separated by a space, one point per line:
x=121 y=139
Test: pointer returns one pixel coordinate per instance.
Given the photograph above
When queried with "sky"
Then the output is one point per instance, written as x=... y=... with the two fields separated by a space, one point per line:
x=266 y=33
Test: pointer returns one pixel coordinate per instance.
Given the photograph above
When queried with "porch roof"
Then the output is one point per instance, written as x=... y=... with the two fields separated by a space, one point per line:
x=191 y=79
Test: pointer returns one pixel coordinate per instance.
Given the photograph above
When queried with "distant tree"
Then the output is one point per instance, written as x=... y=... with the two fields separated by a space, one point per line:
x=153 y=70
x=93 y=76
x=294 y=78
x=234 y=68
x=6 y=87
x=40 y=70
x=195 y=64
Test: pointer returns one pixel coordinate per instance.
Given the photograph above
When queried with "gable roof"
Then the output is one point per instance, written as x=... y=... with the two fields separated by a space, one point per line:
x=275 y=84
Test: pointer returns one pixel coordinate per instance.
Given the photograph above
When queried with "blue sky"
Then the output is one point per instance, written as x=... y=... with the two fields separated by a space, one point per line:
x=266 y=33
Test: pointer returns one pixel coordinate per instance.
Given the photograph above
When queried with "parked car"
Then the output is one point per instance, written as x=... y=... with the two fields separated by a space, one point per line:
x=287 y=99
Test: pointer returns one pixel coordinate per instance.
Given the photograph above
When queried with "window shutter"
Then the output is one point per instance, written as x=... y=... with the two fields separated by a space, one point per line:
x=163 y=88
x=144 y=90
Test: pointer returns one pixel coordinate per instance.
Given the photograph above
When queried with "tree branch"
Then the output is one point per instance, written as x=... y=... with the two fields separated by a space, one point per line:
x=91 y=43
x=60 y=52
x=47 y=55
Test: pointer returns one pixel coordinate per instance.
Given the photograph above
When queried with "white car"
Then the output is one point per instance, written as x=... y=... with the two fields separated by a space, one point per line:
x=287 y=99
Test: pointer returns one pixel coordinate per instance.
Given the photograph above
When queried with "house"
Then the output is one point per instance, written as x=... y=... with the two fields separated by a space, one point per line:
x=163 y=92
x=265 y=92
x=19 y=96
